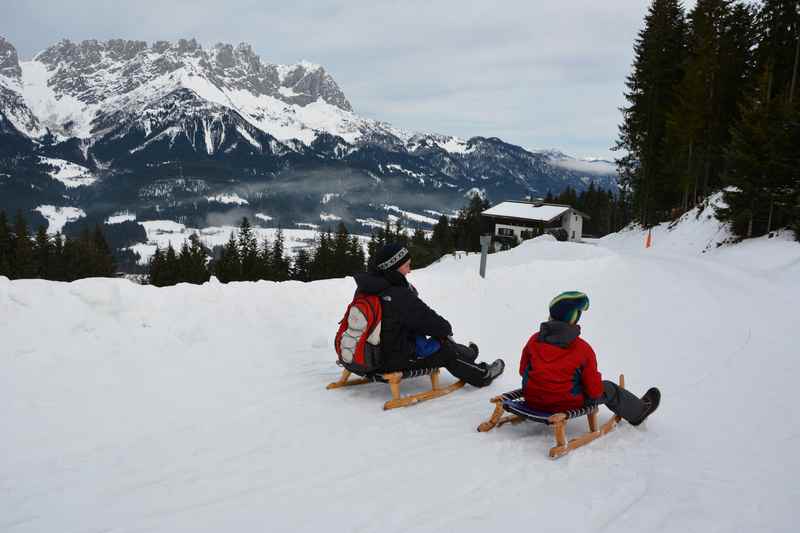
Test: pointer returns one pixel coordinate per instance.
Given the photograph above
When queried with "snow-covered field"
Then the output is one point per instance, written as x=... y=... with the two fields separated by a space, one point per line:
x=203 y=408
x=162 y=233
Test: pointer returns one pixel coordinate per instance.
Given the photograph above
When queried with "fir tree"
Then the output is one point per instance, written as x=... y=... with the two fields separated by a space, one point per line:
x=280 y=265
x=23 y=261
x=248 y=252
x=229 y=268
x=5 y=246
x=659 y=54
x=42 y=252
x=301 y=270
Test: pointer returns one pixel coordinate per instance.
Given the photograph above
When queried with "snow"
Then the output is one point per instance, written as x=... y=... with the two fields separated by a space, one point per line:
x=162 y=233
x=263 y=217
x=329 y=217
x=228 y=198
x=410 y=215
x=454 y=145
x=120 y=218
x=70 y=174
x=57 y=217
x=203 y=408
x=526 y=211
x=54 y=110
x=328 y=196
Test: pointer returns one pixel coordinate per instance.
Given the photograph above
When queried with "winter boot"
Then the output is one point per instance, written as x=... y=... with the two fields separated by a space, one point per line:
x=651 y=399
x=474 y=348
x=494 y=370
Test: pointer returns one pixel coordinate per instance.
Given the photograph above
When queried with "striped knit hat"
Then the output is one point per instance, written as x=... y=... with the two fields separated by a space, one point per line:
x=568 y=306
x=391 y=256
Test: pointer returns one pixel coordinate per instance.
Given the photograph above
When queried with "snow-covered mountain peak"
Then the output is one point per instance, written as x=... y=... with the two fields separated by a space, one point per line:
x=92 y=70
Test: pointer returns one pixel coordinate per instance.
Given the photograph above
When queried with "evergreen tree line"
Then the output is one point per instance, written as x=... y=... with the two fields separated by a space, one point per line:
x=243 y=258
x=57 y=258
x=333 y=255
x=607 y=213
x=713 y=103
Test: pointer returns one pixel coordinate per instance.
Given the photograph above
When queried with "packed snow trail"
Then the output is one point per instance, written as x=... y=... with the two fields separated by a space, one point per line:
x=203 y=408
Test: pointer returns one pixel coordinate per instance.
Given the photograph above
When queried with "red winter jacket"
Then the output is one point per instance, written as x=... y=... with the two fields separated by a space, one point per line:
x=557 y=379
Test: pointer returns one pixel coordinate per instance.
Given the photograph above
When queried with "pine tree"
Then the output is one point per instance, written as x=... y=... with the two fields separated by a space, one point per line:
x=5 y=246
x=470 y=224
x=248 y=252
x=322 y=263
x=442 y=238
x=229 y=268
x=280 y=265
x=42 y=252
x=659 y=54
x=301 y=270
x=155 y=268
x=356 y=258
x=104 y=260
x=198 y=261
x=265 y=261
x=57 y=269
x=24 y=264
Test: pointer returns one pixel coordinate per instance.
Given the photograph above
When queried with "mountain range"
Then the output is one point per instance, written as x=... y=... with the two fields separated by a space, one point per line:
x=172 y=130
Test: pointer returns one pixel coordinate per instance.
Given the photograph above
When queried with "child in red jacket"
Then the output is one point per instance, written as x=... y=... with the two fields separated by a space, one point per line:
x=559 y=369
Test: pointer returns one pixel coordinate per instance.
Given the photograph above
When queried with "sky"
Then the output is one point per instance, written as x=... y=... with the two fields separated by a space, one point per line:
x=538 y=73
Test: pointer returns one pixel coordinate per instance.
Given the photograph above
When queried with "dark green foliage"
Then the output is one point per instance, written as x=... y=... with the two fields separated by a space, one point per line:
x=279 y=264
x=189 y=266
x=606 y=212
x=659 y=55
x=53 y=258
x=722 y=113
x=470 y=225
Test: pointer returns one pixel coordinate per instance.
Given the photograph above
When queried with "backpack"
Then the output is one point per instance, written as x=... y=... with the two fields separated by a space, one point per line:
x=357 y=342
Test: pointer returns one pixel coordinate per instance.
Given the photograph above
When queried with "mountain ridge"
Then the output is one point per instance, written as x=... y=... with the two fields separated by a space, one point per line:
x=139 y=115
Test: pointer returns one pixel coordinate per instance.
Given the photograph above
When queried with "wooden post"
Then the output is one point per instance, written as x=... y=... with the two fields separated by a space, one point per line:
x=435 y=379
x=394 y=383
x=592 y=416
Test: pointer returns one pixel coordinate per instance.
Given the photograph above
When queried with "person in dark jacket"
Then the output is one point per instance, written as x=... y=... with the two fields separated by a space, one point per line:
x=412 y=334
x=559 y=369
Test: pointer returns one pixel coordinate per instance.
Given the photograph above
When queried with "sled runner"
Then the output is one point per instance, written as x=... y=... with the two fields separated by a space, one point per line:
x=393 y=379
x=513 y=403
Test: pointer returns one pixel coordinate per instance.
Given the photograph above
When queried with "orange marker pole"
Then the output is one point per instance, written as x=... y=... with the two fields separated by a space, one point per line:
x=649 y=239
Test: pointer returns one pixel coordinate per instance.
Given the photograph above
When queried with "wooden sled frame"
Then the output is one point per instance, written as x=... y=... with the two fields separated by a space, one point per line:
x=557 y=420
x=394 y=379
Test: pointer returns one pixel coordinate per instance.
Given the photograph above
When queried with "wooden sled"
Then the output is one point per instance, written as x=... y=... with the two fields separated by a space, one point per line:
x=513 y=403
x=394 y=379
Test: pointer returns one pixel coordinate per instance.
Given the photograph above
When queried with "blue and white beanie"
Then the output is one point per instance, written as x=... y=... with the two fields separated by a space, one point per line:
x=568 y=306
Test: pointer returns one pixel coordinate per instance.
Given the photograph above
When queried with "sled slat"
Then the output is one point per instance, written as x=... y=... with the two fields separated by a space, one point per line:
x=394 y=379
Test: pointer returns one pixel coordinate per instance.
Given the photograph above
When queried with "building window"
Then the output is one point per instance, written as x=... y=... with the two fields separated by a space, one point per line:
x=507 y=232
x=573 y=234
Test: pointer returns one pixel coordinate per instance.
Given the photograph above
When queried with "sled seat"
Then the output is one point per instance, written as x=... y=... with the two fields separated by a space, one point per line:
x=394 y=379
x=513 y=402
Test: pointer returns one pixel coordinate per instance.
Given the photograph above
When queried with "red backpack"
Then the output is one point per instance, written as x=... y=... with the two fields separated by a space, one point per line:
x=358 y=339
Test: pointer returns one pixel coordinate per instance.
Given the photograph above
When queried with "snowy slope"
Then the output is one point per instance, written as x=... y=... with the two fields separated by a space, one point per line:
x=203 y=408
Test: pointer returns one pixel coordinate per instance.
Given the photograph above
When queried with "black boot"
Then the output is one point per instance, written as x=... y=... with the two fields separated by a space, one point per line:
x=651 y=399
x=494 y=370
x=475 y=350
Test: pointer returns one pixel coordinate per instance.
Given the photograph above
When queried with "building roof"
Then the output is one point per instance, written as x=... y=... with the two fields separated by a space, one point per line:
x=527 y=211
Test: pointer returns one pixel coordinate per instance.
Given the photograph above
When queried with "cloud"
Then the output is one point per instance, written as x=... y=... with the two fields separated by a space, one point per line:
x=538 y=74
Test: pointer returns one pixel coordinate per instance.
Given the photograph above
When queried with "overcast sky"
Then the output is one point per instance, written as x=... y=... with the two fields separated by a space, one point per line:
x=538 y=73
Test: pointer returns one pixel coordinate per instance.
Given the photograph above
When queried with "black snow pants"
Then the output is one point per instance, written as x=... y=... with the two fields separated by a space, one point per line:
x=622 y=402
x=459 y=360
